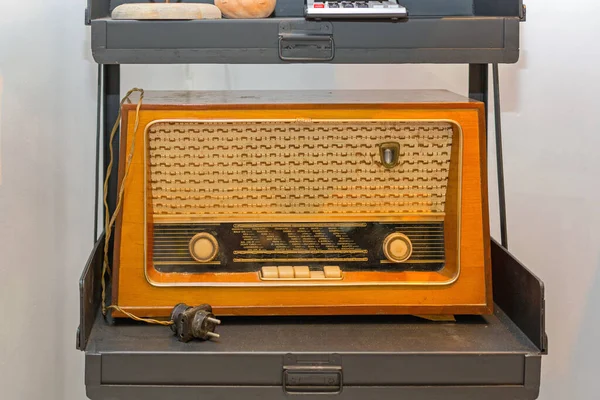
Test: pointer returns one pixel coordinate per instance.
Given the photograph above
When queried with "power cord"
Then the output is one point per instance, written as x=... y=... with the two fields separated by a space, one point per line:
x=186 y=322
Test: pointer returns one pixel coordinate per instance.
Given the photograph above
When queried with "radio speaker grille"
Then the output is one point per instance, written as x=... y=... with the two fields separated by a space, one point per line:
x=307 y=167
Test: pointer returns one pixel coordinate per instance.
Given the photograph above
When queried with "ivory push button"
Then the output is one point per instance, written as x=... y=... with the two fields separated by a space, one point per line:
x=270 y=272
x=301 y=273
x=397 y=247
x=332 y=272
x=203 y=247
x=286 y=272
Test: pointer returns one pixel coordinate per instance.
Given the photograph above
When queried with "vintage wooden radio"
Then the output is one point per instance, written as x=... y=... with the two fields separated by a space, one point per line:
x=297 y=203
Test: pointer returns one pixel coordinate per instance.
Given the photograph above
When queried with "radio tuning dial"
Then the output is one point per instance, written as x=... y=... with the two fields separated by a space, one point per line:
x=397 y=247
x=204 y=247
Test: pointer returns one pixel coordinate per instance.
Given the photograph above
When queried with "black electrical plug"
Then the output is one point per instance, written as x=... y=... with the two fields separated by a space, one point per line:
x=194 y=322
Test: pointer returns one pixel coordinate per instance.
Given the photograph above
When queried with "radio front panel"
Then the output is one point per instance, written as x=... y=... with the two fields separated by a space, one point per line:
x=239 y=195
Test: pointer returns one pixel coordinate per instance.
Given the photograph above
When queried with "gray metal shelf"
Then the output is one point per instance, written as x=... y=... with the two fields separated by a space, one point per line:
x=473 y=40
x=437 y=31
x=495 y=357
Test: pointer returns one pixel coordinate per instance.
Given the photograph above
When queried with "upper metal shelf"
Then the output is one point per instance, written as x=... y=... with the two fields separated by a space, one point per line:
x=437 y=32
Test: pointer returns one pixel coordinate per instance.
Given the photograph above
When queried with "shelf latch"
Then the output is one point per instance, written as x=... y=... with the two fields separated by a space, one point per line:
x=306 y=41
x=312 y=373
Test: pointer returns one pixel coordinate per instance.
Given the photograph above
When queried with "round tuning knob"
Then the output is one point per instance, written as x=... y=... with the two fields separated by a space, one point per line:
x=397 y=247
x=204 y=247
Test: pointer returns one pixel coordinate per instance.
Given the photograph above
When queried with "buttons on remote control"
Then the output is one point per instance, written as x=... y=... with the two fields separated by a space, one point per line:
x=354 y=9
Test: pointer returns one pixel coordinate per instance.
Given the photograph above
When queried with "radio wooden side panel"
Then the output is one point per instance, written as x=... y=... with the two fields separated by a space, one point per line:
x=224 y=205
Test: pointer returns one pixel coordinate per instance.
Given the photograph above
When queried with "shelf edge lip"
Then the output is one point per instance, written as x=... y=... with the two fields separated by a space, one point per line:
x=268 y=56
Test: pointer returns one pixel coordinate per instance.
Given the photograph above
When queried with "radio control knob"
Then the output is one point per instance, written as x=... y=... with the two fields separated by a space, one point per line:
x=397 y=247
x=204 y=247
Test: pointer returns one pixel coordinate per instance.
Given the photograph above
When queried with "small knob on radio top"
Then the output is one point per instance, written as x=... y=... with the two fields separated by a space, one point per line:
x=204 y=247
x=397 y=247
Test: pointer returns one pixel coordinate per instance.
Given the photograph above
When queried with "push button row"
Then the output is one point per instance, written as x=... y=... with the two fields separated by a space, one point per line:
x=300 y=272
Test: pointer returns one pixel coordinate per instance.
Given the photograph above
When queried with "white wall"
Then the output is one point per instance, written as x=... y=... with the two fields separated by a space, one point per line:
x=46 y=195
x=552 y=136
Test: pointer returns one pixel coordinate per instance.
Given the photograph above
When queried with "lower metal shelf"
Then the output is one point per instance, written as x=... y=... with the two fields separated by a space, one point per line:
x=492 y=357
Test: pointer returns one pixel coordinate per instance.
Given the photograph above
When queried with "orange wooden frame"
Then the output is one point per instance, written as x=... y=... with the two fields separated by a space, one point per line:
x=470 y=293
